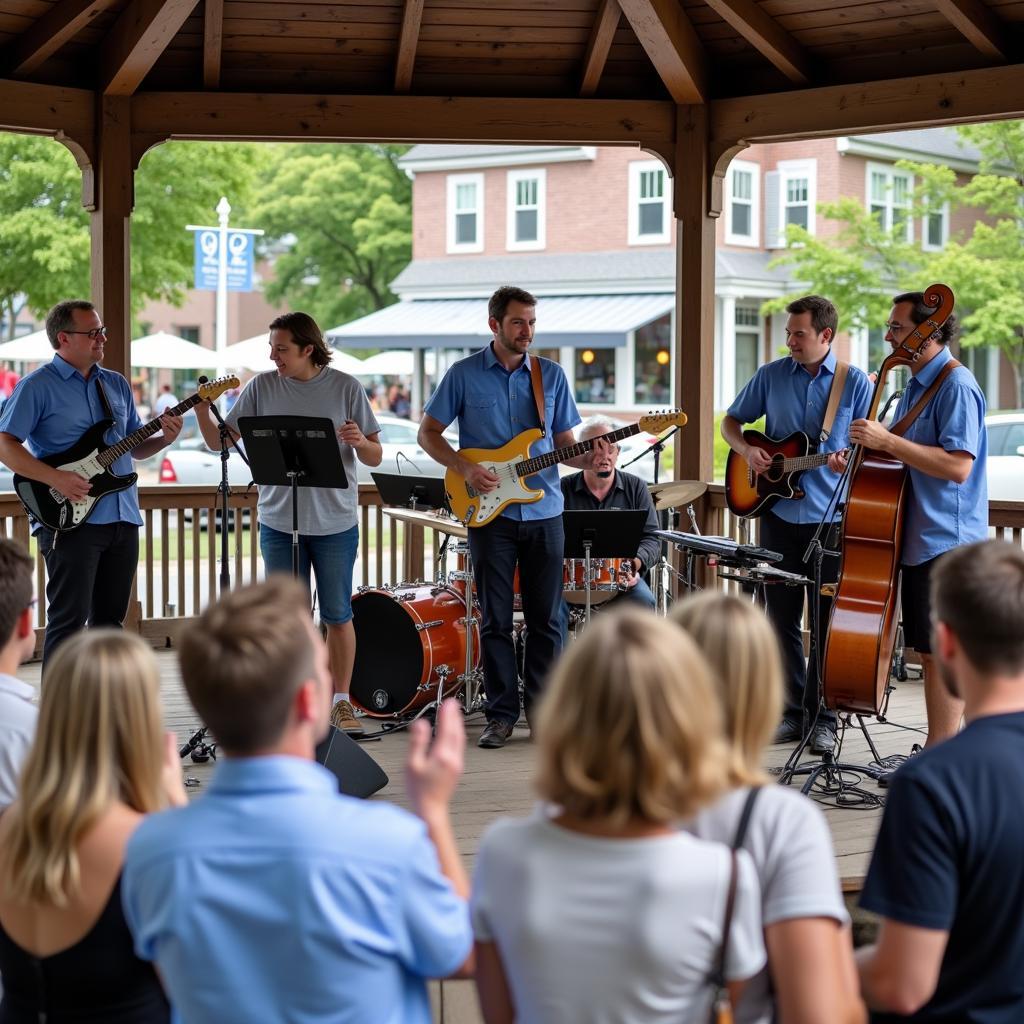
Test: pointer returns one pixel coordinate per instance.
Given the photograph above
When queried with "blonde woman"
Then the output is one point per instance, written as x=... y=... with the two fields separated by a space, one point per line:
x=99 y=763
x=597 y=908
x=810 y=956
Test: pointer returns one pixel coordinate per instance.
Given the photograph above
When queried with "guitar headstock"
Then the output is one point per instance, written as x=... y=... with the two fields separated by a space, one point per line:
x=213 y=389
x=656 y=422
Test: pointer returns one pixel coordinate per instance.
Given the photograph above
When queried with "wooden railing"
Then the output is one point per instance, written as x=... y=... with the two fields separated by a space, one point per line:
x=180 y=561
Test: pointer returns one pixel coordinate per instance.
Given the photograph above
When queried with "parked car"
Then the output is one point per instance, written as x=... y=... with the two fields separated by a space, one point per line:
x=1005 y=456
x=629 y=449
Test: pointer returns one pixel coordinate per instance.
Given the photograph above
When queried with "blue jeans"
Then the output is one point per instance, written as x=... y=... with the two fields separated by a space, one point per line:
x=331 y=557
x=537 y=546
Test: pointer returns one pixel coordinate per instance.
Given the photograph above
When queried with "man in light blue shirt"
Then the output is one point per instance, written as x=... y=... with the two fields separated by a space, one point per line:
x=273 y=898
x=491 y=395
x=944 y=449
x=792 y=394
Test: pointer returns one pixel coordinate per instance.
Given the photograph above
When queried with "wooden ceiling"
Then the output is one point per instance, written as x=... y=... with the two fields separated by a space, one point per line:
x=688 y=51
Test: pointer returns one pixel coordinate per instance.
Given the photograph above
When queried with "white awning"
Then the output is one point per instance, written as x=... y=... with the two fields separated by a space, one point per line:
x=582 y=321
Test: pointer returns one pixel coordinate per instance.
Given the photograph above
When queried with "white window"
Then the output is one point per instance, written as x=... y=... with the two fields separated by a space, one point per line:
x=789 y=198
x=889 y=197
x=648 y=203
x=526 y=209
x=935 y=228
x=465 y=213
x=743 y=183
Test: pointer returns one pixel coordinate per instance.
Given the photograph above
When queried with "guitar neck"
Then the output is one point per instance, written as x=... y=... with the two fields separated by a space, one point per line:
x=108 y=456
x=802 y=462
x=530 y=466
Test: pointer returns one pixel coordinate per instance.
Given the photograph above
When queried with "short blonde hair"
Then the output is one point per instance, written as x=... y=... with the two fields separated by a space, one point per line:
x=630 y=726
x=99 y=740
x=738 y=641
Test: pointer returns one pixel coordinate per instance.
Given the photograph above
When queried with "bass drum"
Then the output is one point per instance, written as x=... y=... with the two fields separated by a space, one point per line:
x=410 y=641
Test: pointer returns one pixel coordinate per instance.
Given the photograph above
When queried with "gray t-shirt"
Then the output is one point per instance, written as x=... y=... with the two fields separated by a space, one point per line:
x=789 y=841
x=331 y=393
x=611 y=931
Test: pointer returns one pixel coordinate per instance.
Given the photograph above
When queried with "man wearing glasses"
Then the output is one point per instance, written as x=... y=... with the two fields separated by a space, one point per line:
x=90 y=569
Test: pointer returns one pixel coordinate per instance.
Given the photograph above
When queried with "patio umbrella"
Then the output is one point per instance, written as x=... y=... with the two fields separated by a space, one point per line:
x=390 y=363
x=30 y=348
x=164 y=351
x=253 y=354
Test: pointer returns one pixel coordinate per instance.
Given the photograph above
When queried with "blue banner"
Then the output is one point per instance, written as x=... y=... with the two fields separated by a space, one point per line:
x=241 y=255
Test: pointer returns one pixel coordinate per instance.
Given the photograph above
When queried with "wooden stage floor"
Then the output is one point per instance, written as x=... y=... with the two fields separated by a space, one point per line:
x=498 y=782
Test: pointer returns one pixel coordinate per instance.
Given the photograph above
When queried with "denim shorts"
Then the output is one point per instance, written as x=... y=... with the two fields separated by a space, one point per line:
x=331 y=557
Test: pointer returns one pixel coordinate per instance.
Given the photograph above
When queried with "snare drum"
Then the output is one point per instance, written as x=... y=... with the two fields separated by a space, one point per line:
x=410 y=643
x=605 y=579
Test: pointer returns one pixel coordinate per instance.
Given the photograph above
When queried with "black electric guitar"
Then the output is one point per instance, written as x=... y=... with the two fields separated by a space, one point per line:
x=92 y=457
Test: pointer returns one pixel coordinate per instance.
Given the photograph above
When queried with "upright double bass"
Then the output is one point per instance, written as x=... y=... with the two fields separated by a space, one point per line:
x=862 y=629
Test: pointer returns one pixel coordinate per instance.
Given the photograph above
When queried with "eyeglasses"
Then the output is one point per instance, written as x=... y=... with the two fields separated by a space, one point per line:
x=96 y=332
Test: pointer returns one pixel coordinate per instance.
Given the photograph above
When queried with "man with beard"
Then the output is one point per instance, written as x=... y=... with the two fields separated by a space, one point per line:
x=947 y=876
x=491 y=394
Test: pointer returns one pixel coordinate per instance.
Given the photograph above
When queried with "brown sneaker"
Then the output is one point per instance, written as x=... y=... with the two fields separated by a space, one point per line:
x=344 y=718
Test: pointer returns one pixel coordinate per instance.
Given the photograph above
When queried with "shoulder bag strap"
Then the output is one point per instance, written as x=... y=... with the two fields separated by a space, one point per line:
x=903 y=425
x=537 y=379
x=748 y=809
x=835 y=396
x=718 y=975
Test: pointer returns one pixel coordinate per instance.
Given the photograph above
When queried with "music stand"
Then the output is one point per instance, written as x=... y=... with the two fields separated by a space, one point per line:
x=293 y=451
x=416 y=492
x=602 y=533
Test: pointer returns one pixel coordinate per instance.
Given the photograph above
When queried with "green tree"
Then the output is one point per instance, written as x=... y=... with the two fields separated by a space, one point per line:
x=343 y=218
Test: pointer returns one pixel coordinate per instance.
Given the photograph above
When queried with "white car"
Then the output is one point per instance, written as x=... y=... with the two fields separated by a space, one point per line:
x=1005 y=456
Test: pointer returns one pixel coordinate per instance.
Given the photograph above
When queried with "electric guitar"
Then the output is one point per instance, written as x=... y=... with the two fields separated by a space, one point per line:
x=512 y=464
x=92 y=457
x=751 y=494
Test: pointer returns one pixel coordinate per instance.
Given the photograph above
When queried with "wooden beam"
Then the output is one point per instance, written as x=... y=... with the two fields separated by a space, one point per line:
x=672 y=44
x=411 y=17
x=928 y=101
x=213 y=42
x=766 y=36
x=46 y=109
x=600 y=42
x=49 y=33
x=138 y=37
x=196 y=115
x=977 y=22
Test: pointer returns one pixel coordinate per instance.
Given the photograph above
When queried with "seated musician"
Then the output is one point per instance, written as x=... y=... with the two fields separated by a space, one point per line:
x=600 y=485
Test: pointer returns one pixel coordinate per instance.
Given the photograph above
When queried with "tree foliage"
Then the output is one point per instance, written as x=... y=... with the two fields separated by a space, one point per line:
x=342 y=216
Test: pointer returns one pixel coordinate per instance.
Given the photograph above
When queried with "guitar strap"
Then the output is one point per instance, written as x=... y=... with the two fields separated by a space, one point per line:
x=537 y=379
x=103 y=400
x=900 y=428
x=835 y=396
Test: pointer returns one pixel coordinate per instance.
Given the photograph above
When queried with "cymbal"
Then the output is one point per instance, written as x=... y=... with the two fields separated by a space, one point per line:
x=676 y=492
x=443 y=524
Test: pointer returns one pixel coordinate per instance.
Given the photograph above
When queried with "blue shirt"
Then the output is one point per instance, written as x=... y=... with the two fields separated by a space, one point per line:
x=493 y=406
x=273 y=898
x=941 y=514
x=55 y=405
x=791 y=399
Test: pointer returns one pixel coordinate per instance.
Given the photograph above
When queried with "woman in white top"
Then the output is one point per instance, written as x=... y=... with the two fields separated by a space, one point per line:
x=810 y=954
x=597 y=908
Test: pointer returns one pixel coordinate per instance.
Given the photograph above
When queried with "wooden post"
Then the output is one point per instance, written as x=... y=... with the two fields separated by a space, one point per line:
x=114 y=198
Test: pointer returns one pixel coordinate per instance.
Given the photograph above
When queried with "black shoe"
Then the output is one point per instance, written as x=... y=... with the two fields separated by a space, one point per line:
x=788 y=732
x=494 y=735
x=823 y=739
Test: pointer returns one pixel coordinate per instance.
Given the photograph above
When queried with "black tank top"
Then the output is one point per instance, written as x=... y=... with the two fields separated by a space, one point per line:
x=98 y=979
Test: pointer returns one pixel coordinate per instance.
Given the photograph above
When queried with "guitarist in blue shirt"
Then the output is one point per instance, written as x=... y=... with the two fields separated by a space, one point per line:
x=491 y=395
x=90 y=569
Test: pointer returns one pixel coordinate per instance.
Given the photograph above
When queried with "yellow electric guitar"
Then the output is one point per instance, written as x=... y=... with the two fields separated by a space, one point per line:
x=512 y=465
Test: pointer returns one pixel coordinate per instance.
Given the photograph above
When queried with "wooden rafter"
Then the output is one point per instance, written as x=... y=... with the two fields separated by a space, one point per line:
x=977 y=22
x=49 y=33
x=138 y=37
x=600 y=42
x=49 y=109
x=213 y=42
x=672 y=44
x=406 y=59
x=766 y=36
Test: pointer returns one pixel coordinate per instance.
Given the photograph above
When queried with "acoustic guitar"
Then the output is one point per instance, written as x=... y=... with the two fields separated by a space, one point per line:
x=512 y=465
x=91 y=457
x=751 y=494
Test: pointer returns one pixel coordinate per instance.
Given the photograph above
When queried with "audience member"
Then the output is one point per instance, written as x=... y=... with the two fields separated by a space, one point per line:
x=947 y=876
x=274 y=898
x=100 y=762
x=164 y=401
x=597 y=908
x=18 y=639
x=810 y=977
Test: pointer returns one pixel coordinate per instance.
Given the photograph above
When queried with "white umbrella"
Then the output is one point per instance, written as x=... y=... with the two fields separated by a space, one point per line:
x=254 y=354
x=29 y=348
x=390 y=363
x=164 y=351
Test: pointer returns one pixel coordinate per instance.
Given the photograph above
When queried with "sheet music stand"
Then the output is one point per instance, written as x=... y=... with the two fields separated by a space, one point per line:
x=415 y=492
x=602 y=533
x=293 y=451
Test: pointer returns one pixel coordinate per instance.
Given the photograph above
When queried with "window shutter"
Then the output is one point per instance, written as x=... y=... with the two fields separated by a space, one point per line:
x=773 y=237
